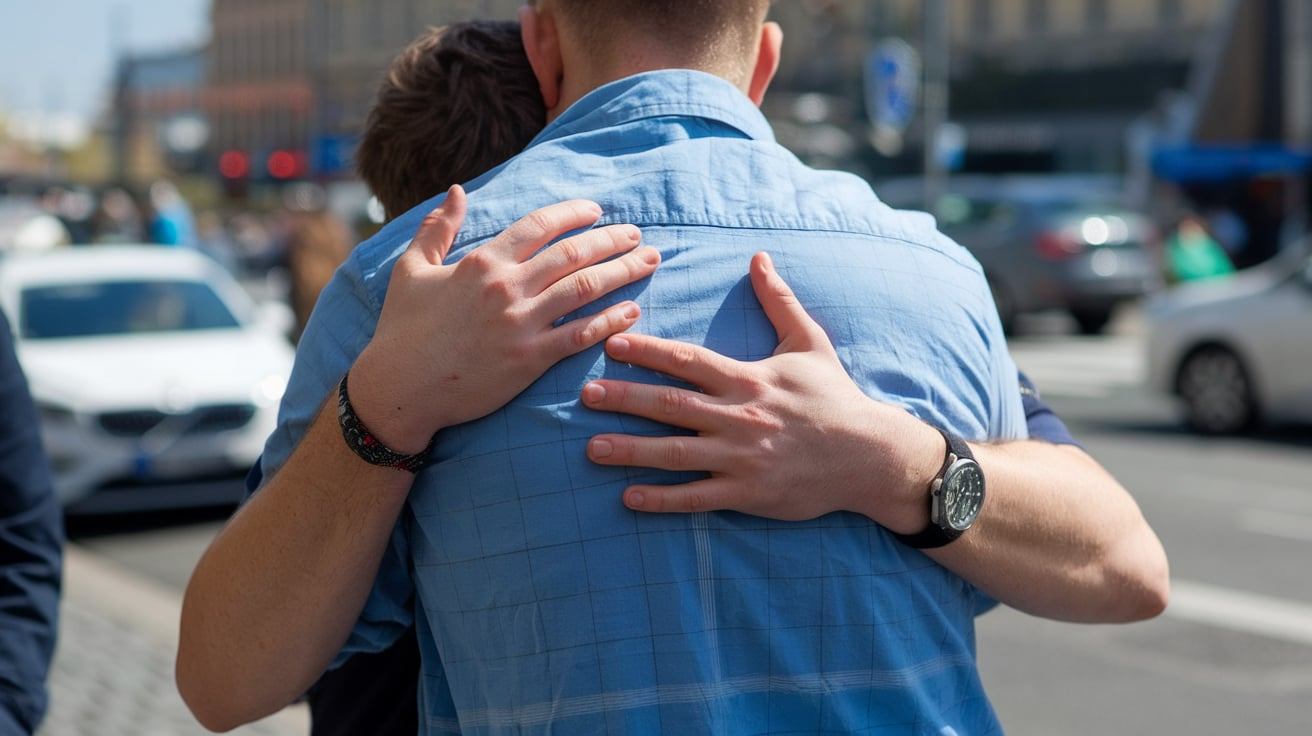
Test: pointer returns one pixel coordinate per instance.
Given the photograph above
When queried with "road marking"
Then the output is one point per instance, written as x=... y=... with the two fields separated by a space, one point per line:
x=1235 y=610
x=1095 y=369
x=1270 y=523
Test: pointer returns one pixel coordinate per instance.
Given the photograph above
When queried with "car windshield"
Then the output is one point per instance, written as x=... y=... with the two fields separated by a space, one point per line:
x=120 y=308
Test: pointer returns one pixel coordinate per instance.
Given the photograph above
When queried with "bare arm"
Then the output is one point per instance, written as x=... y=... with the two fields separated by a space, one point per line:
x=792 y=437
x=275 y=596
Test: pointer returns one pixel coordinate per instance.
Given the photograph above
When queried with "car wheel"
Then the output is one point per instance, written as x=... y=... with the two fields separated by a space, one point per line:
x=1092 y=320
x=1005 y=304
x=1217 y=393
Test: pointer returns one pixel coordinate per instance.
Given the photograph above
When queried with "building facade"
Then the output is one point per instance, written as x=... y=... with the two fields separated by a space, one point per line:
x=258 y=93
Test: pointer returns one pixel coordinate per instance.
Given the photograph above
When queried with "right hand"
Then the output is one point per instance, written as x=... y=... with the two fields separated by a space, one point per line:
x=456 y=342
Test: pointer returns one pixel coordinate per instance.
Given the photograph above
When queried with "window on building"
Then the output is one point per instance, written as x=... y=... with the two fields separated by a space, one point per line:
x=1169 y=12
x=982 y=18
x=1036 y=15
x=1095 y=13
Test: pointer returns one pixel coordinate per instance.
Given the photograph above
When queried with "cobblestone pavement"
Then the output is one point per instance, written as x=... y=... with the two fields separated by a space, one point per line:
x=113 y=669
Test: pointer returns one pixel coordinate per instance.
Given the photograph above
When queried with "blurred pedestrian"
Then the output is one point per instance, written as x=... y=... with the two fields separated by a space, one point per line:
x=118 y=218
x=31 y=552
x=1192 y=254
x=171 y=221
x=317 y=242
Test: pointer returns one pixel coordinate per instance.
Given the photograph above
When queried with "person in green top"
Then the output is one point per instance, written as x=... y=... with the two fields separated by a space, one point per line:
x=1193 y=254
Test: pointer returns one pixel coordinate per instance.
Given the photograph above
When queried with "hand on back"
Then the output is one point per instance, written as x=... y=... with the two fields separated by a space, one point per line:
x=789 y=437
x=456 y=342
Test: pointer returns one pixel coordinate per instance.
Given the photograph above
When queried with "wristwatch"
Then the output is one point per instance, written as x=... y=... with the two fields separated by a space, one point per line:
x=956 y=496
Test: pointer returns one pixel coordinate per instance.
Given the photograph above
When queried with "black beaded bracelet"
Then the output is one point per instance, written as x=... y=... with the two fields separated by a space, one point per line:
x=363 y=443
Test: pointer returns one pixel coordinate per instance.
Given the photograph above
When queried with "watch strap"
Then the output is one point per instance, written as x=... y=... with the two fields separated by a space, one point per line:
x=368 y=447
x=934 y=534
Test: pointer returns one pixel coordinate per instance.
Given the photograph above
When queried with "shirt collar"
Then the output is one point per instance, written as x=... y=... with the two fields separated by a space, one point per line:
x=668 y=92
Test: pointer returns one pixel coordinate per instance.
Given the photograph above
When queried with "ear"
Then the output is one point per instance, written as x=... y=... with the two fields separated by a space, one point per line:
x=767 y=61
x=542 y=45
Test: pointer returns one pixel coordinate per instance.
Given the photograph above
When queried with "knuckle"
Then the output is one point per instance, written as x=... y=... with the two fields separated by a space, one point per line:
x=682 y=355
x=677 y=454
x=669 y=401
x=586 y=286
x=571 y=252
x=537 y=223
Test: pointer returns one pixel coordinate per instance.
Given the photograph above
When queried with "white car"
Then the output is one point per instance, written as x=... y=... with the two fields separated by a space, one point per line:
x=1237 y=351
x=156 y=376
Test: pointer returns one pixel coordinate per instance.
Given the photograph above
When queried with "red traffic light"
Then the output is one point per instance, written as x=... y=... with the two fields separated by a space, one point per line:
x=285 y=164
x=234 y=164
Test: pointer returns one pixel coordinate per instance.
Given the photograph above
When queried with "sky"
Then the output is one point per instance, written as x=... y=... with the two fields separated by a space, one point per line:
x=57 y=56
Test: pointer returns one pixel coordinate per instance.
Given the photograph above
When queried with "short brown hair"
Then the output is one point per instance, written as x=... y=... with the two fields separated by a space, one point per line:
x=456 y=102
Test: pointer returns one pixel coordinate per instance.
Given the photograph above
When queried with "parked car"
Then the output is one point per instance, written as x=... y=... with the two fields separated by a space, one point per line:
x=1237 y=351
x=1046 y=242
x=157 y=378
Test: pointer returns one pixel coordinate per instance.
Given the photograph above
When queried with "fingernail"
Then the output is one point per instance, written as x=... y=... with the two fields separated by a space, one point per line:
x=651 y=256
x=617 y=346
x=594 y=393
x=631 y=311
x=602 y=448
x=634 y=499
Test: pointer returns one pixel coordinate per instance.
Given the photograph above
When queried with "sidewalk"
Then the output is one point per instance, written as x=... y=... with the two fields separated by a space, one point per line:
x=113 y=669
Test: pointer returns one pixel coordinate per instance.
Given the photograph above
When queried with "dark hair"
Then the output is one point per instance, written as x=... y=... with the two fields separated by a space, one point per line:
x=456 y=102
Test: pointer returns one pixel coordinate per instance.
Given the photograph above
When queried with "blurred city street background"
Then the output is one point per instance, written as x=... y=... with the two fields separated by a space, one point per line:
x=1085 y=150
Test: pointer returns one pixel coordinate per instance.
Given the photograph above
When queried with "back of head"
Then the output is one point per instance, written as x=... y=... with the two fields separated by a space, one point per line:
x=717 y=36
x=456 y=102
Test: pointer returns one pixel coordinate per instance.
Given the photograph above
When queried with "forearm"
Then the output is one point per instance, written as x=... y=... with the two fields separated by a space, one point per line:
x=275 y=596
x=1059 y=537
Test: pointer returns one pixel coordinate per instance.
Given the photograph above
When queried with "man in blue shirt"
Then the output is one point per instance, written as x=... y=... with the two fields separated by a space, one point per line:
x=541 y=603
x=31 y=550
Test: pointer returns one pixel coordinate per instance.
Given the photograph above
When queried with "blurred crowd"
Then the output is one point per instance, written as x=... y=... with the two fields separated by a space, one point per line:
x=288 y=250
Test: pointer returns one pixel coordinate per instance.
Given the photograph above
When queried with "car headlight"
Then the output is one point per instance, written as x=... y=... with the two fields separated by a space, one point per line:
x=269 y=390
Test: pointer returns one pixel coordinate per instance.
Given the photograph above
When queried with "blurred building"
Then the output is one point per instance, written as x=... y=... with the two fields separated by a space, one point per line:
x=258 y=93
x=158 y=124
x=351 y=44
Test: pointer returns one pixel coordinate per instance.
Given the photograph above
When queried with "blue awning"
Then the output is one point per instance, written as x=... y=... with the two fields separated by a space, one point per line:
x=1221 y=163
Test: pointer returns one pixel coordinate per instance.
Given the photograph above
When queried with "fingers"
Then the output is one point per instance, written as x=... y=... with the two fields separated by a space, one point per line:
x=585 y=332
x=710 y=494
x=706 y=369
x=438 y=230
x=576 y=288
x=533 y=231
x=668 y=404
x=569 y=257
x=793 y=326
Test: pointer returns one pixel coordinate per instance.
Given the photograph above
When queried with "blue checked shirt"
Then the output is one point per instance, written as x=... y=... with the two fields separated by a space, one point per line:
x=542 y=604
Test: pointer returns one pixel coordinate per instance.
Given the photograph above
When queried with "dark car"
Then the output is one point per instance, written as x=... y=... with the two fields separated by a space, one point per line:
x=1047 y=242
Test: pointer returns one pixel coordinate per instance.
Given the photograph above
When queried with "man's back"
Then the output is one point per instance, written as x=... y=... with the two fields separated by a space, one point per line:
x=545 y=603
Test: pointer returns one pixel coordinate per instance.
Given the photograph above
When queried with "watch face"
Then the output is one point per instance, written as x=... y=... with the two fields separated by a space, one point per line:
x=963 y=493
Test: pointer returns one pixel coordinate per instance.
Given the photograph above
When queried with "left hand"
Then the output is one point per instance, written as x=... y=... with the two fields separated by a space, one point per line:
x=790 y=437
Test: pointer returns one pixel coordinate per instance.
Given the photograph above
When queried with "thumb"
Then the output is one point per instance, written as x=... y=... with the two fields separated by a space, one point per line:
x=438 y=230
x=796 y=330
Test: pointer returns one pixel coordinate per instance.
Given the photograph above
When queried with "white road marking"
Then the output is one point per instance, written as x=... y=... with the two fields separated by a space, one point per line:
x=1235 y=610
x=1270 y=523
x=1086 y=369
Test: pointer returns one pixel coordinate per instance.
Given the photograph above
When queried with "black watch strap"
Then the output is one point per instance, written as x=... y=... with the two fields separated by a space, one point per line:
x=934 y=534
x=363 y=443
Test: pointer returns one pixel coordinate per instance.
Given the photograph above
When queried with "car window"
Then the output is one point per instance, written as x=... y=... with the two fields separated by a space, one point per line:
x=119 y=308
x=957 y=209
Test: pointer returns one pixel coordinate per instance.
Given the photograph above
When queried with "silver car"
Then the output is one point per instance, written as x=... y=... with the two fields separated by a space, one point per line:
x=1047 y=243
x=1237 y=352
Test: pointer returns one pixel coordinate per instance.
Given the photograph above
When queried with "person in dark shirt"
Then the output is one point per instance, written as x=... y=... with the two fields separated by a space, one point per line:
x=31 y=552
